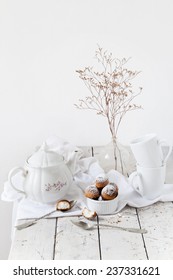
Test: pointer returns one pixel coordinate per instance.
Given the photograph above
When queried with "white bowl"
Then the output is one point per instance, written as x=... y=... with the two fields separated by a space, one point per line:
x=102 y=207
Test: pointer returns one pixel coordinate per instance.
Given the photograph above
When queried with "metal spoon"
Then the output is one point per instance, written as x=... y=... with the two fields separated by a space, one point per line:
x=88 y=226
x=33 y=222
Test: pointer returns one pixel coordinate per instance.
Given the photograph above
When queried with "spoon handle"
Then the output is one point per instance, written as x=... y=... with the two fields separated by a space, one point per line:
x=134 y=230
x=30 y=223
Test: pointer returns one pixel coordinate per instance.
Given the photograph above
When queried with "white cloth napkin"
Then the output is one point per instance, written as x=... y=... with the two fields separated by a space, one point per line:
x=84 y=169
x=128 y=196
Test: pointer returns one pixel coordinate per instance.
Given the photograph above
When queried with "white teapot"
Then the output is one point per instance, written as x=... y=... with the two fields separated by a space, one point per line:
x=47 y=177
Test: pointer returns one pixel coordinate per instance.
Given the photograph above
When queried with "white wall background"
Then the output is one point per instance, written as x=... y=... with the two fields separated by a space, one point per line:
x=43 y=42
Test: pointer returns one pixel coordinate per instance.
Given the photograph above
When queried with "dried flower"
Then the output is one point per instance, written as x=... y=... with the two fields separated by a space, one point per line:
x=111 y=90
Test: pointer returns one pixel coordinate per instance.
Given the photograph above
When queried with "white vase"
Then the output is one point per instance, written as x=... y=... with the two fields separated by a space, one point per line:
x=115 y=156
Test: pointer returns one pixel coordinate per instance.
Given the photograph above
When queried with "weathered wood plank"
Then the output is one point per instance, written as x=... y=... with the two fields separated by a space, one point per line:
x=86 y=150
x=169 y=170
x=34 y=243
x=117 y=244
x=158 y=220
x=75 y=243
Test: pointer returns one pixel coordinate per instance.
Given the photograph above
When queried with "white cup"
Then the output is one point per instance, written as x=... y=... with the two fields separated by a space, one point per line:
x=148 y=182
x=147 y=151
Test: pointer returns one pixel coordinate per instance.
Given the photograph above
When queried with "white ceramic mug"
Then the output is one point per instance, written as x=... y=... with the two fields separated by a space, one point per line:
x=148 y=182
x=147 y=151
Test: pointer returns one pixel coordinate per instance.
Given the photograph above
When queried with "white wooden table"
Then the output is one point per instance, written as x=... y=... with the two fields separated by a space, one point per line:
x=59 y=239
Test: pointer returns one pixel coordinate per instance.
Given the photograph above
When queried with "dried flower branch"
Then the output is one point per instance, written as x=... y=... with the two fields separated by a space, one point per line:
x=111 y=90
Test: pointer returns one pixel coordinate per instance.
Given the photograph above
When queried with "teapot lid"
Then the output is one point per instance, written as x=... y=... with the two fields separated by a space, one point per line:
x=43 y=157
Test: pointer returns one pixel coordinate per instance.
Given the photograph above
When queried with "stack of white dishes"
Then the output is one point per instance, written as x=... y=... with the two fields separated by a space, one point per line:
x=149 y=178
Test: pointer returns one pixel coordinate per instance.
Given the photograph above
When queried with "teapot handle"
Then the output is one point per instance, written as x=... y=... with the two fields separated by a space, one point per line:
x=12 y=173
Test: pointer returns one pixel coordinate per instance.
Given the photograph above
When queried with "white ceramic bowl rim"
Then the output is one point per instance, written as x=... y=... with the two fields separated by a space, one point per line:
x=102 y=201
